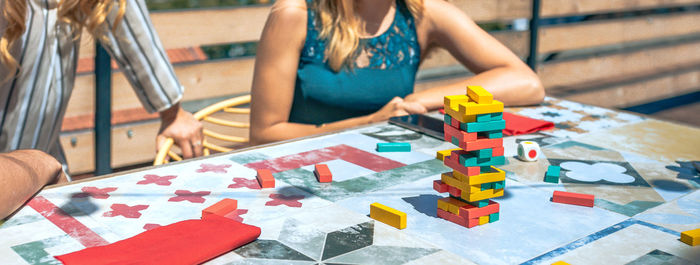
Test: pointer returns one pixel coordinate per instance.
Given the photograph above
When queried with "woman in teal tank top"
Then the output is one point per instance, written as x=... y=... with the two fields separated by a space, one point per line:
x=303 y=86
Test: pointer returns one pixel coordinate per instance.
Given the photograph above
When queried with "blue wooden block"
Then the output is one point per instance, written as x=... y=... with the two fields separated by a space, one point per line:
x=486 y=186
x=483 y=126
x=455 y=141
x=393 y=147
x=489 y=116
x=448 y=119
x=480 y=204
x=551 y=179
x=493 y=134
x=470 y=160
x=553 y=171
x=483 y=153
x=487 y=169
x=499 y=185
x=494 y=217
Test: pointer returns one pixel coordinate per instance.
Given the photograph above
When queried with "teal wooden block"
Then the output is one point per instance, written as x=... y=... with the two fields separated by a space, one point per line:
x=487 y=169
x=499 y=185
x=448 y=119
x=455 y=141
x=486 y=186
x=483 y=153
x=553 y=171
x=470 y=160
x=551 y=179
x=494 y=217
x=493 y=134
x=480 y=204
x=483 y=126
x=489 y=116
x=393 y=147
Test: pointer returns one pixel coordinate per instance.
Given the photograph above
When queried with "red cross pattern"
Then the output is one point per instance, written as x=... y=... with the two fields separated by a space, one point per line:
x=94 y=192
x=213 y=168
x=125 y=210
x=279 y=199
x=158 y=180
x=244 y=183
x=236 y=215
x=193 y=197
x=151 y=226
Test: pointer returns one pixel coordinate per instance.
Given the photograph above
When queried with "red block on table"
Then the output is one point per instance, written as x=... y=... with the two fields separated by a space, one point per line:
x=221 y=208
x=462 y=136
x=265 y=178
x=573 y=198
x=472 y=212
x=440 y=186
x=453 y=163
x=323 y=174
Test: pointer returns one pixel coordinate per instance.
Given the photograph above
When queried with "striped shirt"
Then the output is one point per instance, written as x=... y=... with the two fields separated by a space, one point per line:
x=32 y=104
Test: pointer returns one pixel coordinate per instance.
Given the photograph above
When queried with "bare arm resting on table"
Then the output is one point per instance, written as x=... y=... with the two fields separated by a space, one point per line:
x=275 y=74
x=24 y=172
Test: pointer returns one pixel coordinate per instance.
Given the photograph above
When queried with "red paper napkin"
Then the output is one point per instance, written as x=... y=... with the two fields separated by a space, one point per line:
x=516 y=124
x=186 y=242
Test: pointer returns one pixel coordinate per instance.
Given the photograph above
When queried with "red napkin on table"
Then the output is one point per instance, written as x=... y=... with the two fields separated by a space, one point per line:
x=186 y=242
x=517 y=124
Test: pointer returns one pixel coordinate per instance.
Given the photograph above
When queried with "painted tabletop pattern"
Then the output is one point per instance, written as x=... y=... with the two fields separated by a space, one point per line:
x=640 y=171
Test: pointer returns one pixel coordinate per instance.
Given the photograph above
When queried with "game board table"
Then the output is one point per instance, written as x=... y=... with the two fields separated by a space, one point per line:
x=306 y=222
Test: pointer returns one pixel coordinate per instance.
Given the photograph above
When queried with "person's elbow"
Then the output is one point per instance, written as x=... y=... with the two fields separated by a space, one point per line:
x=535 y=90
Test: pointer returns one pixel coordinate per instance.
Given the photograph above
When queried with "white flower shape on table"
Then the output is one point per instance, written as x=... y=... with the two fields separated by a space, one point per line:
x=596 y=172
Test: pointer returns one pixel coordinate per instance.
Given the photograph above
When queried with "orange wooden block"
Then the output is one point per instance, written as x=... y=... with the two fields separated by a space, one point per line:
x=573 y=198
x=221 y=208
x=265 y=178
x=323 y=174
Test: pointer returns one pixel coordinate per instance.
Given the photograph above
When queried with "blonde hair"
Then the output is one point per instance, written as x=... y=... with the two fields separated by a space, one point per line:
x=341 y=27
x=90 y=14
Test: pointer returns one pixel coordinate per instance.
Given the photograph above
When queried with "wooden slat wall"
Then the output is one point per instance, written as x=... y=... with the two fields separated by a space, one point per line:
x=558 y=8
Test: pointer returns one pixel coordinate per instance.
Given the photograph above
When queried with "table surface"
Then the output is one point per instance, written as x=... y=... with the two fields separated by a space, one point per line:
x=306 y=222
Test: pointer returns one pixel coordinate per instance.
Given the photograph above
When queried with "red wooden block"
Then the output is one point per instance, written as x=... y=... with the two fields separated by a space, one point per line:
x=323 y=174
x=454 y=191
x=462 y=136
x=497 y=151
x=221 y=208
x=265 y=178
x=573 y=198
x=472 y=212
x=440 y=186
x=481 y=143
x=453 y=163
x=451 y=217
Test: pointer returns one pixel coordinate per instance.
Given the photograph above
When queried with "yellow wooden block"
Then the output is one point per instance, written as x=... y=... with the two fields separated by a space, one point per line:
x=451 y=105
x=483 y=219
x=560 y=263
x=445 y=153
x=482 y=195
x=453 y=101
x=499 y=175
x=442 y=204
x=691 y=237
x=473 y=108
x=479 y=94
x=451 y=205
x=387 y=215
x=449 y=179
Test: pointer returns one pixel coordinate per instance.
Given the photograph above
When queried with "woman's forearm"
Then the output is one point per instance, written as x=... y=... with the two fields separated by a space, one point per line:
x=23 y=173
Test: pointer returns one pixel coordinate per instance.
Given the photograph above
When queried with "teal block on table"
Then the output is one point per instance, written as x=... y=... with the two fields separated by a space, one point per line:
x=494 y=217
x=480 y=204
x=553 y=171
x=489 y=116
x=499 y=185
x=483 y=153
x=486 y=186
x=493 y=134
x=393 y=147
x=551 y=179
x=470 y=160
x=483 y=126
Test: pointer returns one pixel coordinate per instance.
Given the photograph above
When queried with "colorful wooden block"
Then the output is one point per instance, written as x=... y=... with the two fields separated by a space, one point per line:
x=470 y=211
x=483 y=153
x=453 y=101
x=481 y=195
x=480 y=204
x=480 y=143
x=691 y=237
x=473 y=108
x=497 y=151
x=483 y=220
x=494 y=217
x=560 y=263
x=440 y=186
x=454 y=191
x=452 y=182
x=486 y=186
x=450 y=204
x=573 y=198
x=451 y=217
x=499 y=184
x=553 y=171
x=393 y=147
x=221 y=208
x=453 y=163
x=483 y=126
x=445 y=153
x=265 y=178
x=479 y=94
x=489 y=117
x=387 y=215
x=492 y=175
x=468 y=159
x=323 y=173
x=462 y=136
x=493 y=134
x=551 y=179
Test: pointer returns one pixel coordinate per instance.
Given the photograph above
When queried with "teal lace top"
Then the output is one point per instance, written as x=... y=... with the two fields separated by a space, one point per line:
x=322 y=95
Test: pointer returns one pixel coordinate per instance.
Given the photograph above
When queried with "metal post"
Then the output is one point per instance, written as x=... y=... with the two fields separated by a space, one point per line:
x=103 y=111
x=534 y=33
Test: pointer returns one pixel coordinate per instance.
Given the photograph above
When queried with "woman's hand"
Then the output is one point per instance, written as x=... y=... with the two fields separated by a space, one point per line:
x=397 y=107
x=185 y=130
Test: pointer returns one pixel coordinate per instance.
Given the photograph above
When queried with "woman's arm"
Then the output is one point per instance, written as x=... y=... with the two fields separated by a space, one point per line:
x=276 y=65
x=497 y=69
x=24 y=172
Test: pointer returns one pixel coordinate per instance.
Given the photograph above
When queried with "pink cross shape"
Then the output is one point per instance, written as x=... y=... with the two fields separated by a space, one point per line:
x=279 y=199
x=151 y=226
x=193 y=197
x=94 y=192
x=247 y=183
x=236 y=215
x=125 y=210
x=212 y=168
x=158 y=180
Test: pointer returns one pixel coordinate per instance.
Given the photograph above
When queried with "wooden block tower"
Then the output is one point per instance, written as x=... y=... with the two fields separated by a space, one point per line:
x=474 y=122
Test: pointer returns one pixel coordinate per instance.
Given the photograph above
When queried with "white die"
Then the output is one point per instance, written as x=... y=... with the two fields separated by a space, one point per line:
x=528 y=151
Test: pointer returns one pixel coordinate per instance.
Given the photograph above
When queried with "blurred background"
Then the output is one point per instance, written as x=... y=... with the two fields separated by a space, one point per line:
x=636 y=55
